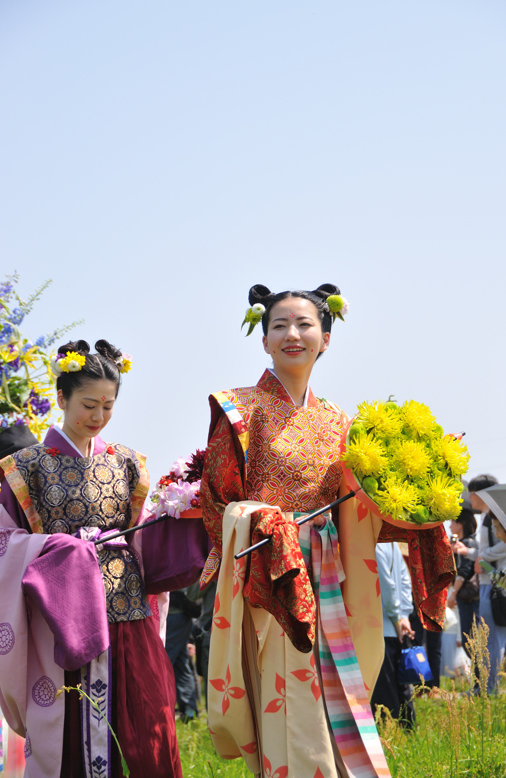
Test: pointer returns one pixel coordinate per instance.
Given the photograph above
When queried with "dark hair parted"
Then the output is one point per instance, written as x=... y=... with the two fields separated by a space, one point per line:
x=260 y=294
x=480 y=482
x=468 y=522
x=101 y=365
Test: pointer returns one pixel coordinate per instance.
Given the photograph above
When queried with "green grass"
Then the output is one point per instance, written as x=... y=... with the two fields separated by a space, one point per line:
x=456 y=736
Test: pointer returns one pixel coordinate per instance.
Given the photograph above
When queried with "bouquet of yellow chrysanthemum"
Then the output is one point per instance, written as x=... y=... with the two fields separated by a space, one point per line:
x=407 y=469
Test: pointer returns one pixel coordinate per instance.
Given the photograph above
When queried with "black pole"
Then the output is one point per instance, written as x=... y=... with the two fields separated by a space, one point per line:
x=131 y=529
x=299 y=522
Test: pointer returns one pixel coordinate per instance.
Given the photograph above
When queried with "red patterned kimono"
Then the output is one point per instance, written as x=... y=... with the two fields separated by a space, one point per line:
x=265 y=449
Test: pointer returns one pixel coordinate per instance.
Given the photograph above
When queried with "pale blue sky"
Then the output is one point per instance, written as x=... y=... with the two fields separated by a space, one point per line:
x=159 y=158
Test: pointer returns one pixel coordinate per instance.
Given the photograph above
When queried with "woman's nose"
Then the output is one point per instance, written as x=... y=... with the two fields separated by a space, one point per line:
x=292 y=332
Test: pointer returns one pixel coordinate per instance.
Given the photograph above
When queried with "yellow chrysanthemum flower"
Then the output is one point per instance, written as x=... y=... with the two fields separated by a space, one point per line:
x=418 y=418
x=443 y=497
x=397 y=498
x=365 y=456
x=379 y=419
x=412 y=458
x=72 y=362
x=455 y=455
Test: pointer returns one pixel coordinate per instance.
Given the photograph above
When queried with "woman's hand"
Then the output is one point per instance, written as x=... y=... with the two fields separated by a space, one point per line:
x=478 y=569
x=459 y=548
x=452 y=600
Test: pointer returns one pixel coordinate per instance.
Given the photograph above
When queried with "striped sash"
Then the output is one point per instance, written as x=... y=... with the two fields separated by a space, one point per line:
x=346 y=700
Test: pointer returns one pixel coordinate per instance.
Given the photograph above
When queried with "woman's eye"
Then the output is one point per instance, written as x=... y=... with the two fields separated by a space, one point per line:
x=89 y=407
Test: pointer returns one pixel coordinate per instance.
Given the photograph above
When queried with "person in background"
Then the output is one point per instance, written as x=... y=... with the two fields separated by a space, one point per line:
x=477 y=487
x=182 y=611
x=466 y=593
x=397 y=604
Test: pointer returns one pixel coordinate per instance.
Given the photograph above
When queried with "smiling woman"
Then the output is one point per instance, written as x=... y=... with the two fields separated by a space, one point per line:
x=87 y=618
x=286 y=690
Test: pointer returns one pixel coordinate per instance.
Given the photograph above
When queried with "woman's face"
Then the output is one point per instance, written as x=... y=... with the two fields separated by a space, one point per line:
x=457 y=528
x=294 y=337
x=88 y=408
x=499 y=530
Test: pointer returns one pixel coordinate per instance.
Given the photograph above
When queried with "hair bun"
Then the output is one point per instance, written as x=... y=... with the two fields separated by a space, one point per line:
x=75 y=345
x=107 y=350
x=325 y=290
x=260 y=294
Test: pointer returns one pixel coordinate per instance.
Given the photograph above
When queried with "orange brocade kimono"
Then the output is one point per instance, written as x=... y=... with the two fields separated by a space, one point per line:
x=272 y=699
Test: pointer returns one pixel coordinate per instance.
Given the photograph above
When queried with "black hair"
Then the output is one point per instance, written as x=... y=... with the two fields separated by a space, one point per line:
x=260 y=294
x=101 y=365
x=468 y=522
x=481 y=482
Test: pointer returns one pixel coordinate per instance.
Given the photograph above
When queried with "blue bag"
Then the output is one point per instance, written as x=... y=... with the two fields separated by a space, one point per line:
x=413 y=664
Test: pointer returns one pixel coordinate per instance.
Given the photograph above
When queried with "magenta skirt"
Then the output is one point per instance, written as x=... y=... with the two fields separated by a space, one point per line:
x=143 y=703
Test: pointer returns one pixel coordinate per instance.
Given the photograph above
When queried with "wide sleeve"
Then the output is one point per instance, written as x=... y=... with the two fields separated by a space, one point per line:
x=12 y=506
x=431 y=566
x=222 y=479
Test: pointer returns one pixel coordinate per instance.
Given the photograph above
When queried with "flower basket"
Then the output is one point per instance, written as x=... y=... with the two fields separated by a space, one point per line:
x=402 y=465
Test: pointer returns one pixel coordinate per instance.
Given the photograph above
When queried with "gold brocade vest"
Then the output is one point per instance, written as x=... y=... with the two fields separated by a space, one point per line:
x=292 y=457
x=67 y=493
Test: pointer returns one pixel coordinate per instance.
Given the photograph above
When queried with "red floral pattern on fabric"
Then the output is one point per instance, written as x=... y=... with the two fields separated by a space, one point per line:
x=278 y=702
x=223 y=685
x=432 y=569
x=53 y=451
x=310 y=675
x=278 y=578
x=220 y=621
x=280 y=772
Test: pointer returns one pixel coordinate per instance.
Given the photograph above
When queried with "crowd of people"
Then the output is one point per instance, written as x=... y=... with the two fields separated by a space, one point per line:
x=297 y=640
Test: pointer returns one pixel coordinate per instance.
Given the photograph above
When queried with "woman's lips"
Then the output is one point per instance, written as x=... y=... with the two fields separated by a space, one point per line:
x=293 y=350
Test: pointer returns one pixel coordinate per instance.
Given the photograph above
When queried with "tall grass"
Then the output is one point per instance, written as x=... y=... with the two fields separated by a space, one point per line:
x=457 y=735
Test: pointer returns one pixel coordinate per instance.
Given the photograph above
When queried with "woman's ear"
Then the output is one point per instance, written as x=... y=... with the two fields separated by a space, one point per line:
x=60 y=399
x=325 y=341
x=264 y=341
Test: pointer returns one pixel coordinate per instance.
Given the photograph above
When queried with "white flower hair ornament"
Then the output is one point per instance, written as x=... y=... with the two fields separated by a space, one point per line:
x=253 y=317
x=338 y=306
x=71 y=362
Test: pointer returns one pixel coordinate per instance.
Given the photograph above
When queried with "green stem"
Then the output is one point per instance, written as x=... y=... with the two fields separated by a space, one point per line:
x=5 y=386
x=126 y=771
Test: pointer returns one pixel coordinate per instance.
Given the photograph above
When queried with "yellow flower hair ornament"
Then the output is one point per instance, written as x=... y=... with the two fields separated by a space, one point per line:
x=71 y=362
x=253 y=317
x=124 y=363
x=401 y=464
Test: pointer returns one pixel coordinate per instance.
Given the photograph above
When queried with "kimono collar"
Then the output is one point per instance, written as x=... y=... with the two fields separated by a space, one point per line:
x=270 y=383
x=56 y=438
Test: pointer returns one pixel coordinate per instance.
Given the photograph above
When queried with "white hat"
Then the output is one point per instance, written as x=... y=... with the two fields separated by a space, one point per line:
x=495 y=499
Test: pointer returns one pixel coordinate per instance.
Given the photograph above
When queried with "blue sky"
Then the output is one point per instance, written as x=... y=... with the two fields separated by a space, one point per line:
x=159 y=158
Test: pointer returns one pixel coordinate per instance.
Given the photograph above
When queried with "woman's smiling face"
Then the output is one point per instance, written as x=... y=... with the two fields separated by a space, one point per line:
x=294 y=336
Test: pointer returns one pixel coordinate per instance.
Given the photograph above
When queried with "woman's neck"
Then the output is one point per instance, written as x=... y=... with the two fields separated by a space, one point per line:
x=295 y=384
x=83 y=444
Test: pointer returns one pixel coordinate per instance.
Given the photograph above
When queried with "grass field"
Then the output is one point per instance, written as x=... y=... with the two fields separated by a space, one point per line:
x=456 y=736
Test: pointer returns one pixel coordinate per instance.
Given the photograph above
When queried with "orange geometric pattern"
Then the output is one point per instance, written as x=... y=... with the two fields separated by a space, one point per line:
x=293 y=459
